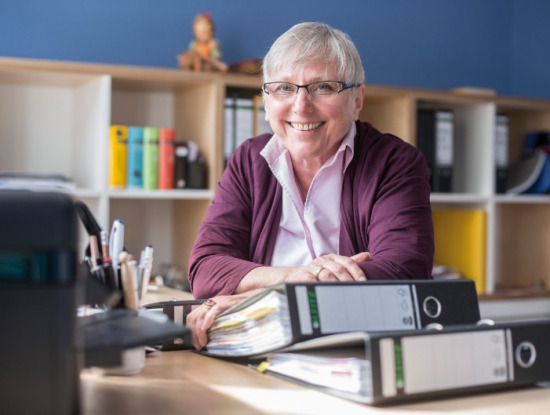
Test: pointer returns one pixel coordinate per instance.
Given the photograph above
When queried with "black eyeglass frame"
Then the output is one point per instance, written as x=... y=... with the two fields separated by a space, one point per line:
x=343 y=86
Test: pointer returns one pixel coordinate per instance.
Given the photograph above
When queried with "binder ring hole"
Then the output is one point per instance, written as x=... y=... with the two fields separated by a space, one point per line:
x=526 y=354
x=432 y=307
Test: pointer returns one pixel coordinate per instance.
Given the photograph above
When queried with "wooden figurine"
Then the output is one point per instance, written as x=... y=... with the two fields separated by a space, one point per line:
x=204 y=51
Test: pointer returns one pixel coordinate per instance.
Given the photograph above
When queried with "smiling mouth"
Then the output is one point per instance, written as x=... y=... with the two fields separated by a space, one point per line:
x=306 y=126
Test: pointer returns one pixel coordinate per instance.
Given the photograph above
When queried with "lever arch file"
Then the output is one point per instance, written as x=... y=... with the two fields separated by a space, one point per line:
x=287 y=313
x=384 y=368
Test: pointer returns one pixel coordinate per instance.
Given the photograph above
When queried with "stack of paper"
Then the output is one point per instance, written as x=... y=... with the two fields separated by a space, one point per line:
x=262 y=326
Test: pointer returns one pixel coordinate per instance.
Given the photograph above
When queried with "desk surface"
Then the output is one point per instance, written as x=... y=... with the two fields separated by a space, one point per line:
x=184 y=382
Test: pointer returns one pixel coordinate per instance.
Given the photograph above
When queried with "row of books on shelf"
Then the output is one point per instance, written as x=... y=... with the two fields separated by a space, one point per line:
x=381 y=342
x=150 y=158
x=436 y=141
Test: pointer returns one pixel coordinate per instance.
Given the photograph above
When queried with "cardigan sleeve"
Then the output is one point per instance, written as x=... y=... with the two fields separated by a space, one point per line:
x=391 y=216
x=236 y=235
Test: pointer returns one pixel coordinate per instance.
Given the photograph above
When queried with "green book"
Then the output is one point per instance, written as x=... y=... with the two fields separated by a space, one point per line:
x=150 y=158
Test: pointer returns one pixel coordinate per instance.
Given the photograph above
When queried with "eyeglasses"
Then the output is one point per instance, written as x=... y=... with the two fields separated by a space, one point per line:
x=315 y=89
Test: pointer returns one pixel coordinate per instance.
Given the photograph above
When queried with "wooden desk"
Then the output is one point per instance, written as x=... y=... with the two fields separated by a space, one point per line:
x=184 y=382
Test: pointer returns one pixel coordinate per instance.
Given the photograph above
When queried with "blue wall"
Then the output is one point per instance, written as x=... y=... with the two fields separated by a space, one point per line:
x=500 y=44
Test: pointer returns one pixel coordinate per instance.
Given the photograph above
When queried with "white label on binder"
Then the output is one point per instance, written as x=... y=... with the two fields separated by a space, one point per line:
x=351 y=308
x=387 y=367
x=454 y=360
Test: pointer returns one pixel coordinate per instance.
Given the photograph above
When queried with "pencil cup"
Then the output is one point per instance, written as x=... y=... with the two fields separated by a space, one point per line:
x=133 y=360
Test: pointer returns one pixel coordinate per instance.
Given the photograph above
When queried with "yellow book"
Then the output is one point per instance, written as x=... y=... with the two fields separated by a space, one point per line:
x=460 y=242
x=118 y=155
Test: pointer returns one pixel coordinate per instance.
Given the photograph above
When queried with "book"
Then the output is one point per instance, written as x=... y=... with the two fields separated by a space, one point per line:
x=118 y=136
x=385 y=368
x=150 y=158
x=460 y=242
x=181 y=154
x=435 y=139
x=135 y=157
x=166 y=158
x=501 y=153
x=244 y=120
x=229 y=127
x=283 y=314
x=261 y=126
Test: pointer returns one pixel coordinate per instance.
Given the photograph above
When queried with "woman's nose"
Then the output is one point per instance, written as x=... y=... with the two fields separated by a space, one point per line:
x=302 y=100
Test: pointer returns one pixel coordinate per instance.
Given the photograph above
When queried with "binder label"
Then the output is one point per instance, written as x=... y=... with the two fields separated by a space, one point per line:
x=455 y=360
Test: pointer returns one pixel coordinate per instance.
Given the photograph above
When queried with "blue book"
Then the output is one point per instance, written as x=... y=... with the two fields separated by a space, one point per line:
x=135 y=157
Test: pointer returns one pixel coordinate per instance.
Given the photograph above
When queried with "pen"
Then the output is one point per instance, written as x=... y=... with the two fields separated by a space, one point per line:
x=94 y=253
x=144 y=272
x=128 y=277
x=104 y=240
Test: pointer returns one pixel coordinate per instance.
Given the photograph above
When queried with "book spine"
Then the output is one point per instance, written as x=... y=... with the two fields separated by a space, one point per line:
x=425 y=139
x=501 y=154
x=181 y=152
x=444 y=152
x=435 y=139
x=135 y=157
x=150 y=158
x=166 y=158
x=118 y=155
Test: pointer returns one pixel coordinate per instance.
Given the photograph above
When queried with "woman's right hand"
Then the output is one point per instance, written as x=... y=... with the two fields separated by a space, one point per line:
x=200 y=319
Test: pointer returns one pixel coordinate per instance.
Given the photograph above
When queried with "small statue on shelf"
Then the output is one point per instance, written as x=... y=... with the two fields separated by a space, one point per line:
x=204 y=51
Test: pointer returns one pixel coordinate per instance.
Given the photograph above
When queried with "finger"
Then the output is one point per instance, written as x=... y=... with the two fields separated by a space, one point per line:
x=191 y=324
x=327 y=276
x=344 y=268
x=360 y=257
x=333 y=271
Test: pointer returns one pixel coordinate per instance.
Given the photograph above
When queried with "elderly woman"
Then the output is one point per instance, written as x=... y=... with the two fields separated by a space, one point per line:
x=325 y=198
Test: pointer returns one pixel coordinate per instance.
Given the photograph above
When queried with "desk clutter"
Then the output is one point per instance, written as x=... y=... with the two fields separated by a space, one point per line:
x=117 y=283
x=150 y=158
x=45 y=343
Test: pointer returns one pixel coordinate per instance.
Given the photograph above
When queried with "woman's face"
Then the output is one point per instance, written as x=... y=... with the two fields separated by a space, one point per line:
x=312 y=129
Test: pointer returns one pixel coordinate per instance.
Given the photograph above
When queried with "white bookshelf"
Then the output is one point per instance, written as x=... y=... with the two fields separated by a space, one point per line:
x=55 y=116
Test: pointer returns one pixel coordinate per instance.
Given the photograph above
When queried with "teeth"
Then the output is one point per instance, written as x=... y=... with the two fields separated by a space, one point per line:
x=305 y=127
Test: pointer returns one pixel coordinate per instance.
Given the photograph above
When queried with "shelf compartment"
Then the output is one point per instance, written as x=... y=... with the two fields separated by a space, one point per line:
x=461 y=242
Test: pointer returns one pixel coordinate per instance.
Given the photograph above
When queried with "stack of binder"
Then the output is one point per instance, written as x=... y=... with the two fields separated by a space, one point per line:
x=382 y=342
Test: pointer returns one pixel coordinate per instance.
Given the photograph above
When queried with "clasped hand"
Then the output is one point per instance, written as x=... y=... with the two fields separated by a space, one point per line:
x=330 y=267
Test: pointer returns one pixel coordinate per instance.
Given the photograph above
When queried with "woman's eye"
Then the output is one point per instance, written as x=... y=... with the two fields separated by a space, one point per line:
x=324 y=87
x=285 y=88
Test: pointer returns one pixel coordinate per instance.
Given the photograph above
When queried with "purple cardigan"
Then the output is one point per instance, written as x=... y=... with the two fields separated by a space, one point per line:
x=385 y=210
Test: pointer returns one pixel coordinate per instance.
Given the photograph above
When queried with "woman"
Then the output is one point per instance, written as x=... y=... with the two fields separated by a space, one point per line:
x=325 y=198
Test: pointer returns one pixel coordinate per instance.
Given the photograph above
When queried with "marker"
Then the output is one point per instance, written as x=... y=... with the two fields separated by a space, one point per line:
x=116 y=242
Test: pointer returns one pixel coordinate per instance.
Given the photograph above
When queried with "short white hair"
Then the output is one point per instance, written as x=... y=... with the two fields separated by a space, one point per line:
x=314 y=42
